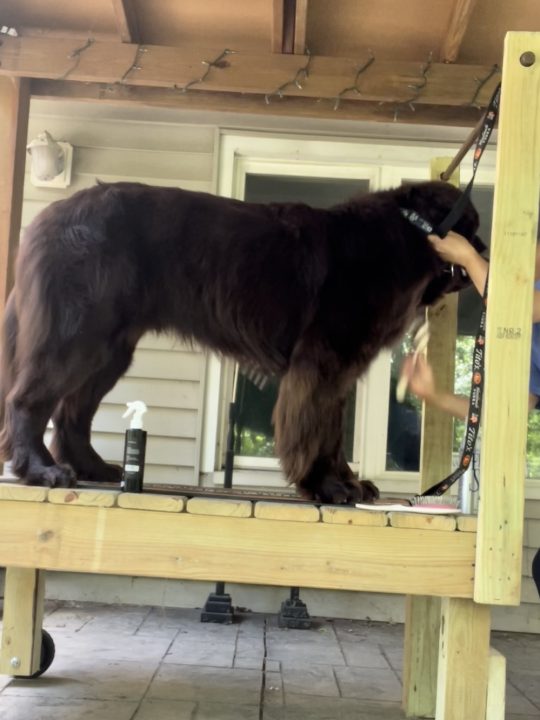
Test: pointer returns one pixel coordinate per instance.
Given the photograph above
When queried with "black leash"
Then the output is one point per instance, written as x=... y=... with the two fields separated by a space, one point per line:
x=477 y=384
x=475 y=408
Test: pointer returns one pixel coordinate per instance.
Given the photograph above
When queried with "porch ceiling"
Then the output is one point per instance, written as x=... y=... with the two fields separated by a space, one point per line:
x=403 y=38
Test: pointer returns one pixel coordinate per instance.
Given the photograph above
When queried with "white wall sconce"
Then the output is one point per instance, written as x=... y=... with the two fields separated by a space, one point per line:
x=50 y=161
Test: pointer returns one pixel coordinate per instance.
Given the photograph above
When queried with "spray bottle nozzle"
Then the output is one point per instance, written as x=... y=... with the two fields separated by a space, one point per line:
x=138 y=408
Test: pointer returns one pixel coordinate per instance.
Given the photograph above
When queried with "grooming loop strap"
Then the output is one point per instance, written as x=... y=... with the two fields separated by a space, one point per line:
x=489 y=123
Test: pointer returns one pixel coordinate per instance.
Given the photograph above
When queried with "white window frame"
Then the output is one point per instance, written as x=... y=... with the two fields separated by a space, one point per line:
x=384 y=164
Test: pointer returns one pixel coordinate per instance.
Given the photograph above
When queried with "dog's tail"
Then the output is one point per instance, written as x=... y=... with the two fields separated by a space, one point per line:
x=7 y=370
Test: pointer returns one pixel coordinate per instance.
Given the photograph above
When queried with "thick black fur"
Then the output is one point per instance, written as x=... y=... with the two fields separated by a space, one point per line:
x=309 y=295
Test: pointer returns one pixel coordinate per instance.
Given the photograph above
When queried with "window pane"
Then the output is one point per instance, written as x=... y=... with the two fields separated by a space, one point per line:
x=254 y=431
x=404 y=420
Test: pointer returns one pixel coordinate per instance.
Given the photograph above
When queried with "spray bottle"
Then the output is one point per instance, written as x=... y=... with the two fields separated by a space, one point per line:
x=134 y=448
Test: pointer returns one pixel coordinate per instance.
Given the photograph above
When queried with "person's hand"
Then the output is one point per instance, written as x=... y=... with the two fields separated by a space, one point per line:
x=419 y=374
x=453 y=248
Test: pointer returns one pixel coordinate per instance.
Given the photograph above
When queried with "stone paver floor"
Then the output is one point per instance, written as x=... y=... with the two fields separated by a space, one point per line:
x=148 y=663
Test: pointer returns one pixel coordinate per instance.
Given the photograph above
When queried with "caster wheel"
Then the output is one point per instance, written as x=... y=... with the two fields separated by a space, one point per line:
x=47 y=656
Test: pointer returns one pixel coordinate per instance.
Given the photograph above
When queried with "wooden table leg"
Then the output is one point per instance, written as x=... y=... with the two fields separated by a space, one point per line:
x=463 y=671
x=23 y=616
x=420 y=655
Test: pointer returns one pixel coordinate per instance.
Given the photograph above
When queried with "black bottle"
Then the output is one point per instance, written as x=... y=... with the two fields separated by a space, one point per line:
x=134 y=449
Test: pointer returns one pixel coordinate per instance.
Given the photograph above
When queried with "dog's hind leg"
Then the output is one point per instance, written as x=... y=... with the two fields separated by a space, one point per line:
x=73 y=418
x=28 y=408
x=308 y=420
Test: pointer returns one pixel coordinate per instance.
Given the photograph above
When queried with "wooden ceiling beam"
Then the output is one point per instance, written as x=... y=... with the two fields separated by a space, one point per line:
x=459 y=22
x=300 y=27
x=289 y=22
x=126 y=21
x=182 y=69
x=276 y=41
x=250 y=104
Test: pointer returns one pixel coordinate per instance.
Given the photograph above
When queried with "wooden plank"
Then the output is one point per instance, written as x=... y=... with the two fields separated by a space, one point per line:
x=147 y=501
x=218 y=506
x=457 y=27
x=24 y=493
x=422 y=638
x=289 y=10
x=462 y=677
x=467 y=523
x=300 y=26
x=509 y=322
x=237 y=103
x=446 y=523
x=170 y=67
x=126 y=21
x=23 y=617
x=287 y=511
x=276 y=41
x=496 y=693
x=420 y=655
x=353 y=516
x=87 y=498
x=14 y=106
x=204 y=547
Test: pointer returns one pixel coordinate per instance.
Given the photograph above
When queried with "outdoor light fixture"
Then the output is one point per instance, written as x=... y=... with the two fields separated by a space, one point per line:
x=50 y=161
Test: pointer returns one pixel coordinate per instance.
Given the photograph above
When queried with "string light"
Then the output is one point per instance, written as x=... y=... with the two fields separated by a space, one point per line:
x=218 y=62
x=301 y=74
x=354 y=87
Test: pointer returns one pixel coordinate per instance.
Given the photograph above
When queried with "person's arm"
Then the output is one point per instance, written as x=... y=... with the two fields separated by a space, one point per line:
x=421 y=383
x=454 y=248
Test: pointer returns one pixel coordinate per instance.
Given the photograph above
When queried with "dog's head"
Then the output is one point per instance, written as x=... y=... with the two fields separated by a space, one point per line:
x=433 y=201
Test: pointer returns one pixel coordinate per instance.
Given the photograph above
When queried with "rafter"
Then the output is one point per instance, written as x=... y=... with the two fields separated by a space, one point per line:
x=459 y=22
x=172 y=67
x=289 y=20
x=300 y=27
x=126 y=21
x=276 y=40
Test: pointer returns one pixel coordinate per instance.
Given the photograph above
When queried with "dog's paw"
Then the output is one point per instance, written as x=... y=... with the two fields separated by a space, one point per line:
x=51 y=476
x=338 y=490
x=102 y=473
x=368 y=491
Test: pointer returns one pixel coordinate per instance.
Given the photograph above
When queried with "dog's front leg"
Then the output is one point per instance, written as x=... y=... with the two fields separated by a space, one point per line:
x=308 y=420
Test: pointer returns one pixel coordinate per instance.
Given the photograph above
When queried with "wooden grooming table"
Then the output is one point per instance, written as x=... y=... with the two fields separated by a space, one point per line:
x=267 y=542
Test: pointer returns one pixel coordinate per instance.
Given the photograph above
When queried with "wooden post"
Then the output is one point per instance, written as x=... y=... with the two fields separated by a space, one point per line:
x=422 y=613
x=509 y=318
x=23 y=617
x=463 y=660
x=496 y=694
x=14 y=106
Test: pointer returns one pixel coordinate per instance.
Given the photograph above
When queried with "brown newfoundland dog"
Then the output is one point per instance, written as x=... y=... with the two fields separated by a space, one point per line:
x=307 y=295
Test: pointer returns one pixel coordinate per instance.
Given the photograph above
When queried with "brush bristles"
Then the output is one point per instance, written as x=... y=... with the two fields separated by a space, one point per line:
x=434 y=500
